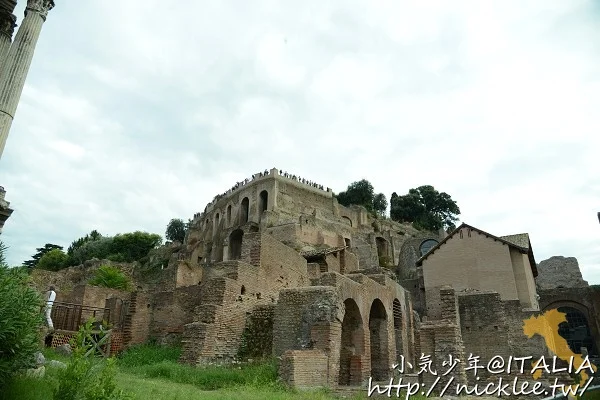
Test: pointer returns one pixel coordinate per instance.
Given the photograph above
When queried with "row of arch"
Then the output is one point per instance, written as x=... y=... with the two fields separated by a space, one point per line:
x=353 y=341
x=243 y=211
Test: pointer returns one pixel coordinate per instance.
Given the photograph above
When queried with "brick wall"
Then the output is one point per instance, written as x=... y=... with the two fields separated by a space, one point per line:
x=294 y=316
x=304 y=368
x=137 y=326
x=257 y=339
x=171 y=311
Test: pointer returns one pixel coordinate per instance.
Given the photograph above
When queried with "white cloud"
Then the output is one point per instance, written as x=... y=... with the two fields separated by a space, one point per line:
x=140 y=115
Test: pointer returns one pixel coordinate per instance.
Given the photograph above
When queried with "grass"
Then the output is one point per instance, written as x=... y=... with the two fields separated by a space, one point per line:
x=152 y=372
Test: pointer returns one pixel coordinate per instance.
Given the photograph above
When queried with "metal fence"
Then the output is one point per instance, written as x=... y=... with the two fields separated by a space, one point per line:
x=70 y=317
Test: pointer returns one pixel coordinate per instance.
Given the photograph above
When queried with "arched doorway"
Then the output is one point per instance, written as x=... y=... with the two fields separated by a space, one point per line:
x=397 y=310
x=352 y=344
x=576 y=331
x=245 y=206
x=235 y=244
x=379 y=341
x=263 y=202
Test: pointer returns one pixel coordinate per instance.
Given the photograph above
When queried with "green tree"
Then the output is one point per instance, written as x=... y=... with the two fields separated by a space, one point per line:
x=54 y=260
x=133 y=246
x=380 y=204
x=425 y=208
x=40 y=253
x=363 y=194
x=176 y=230
x=100 y=248
x=92 y=236
x=20 y=318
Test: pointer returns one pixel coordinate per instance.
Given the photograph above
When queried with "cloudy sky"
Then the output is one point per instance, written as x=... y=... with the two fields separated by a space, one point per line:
x=139 y=111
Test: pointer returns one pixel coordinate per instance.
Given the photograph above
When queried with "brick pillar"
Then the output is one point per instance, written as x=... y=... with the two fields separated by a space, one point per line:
x=326 y=336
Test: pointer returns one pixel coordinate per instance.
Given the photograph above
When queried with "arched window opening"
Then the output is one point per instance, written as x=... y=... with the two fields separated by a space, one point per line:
x=427 y=245
x=245 y=206
x=263 y=201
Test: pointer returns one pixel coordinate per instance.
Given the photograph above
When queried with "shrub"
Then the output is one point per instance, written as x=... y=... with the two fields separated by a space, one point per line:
x=54 y=260
x=134 y=246
x=100 y=248
x=110 y=277
x=86 y=378
x=20 y=319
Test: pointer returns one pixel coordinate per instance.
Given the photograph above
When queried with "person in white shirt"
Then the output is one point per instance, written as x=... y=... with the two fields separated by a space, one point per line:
x=50 y=297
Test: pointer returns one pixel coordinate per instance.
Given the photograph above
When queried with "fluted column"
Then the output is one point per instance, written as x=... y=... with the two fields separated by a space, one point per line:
x=8 y=21
x=16 y=66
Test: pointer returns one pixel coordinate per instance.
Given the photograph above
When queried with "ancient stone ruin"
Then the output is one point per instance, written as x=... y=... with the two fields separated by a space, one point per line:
x=276 y=267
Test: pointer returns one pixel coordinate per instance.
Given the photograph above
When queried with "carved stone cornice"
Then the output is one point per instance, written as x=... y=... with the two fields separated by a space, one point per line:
x=8 y=21
x=40 y=6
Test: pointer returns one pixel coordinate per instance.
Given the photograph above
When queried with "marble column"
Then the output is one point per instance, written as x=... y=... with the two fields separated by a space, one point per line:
x=18 y=60
x=8 y=21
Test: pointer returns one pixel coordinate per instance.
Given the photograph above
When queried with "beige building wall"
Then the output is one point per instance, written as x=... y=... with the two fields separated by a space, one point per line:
x=524 y=279
x=466 y=260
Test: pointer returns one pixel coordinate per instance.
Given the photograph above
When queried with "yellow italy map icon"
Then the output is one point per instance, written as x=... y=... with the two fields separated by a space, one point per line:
x=546 y=325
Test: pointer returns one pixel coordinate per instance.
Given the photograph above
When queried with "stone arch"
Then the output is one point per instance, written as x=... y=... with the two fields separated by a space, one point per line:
x=244 y=208
x=347 y=220
x=577 y=330
x=229 y=215
x=235 y=244
x=398 y=328
x=427 y=245
x=352 y=345
x=263 y=202
x=378 y=335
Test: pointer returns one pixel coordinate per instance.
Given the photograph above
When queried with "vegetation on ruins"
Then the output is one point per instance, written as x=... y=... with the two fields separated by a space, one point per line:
x=92 y=236
x=40 y=253
x=54 y=260
x=176 y=230
x=425 y=208
x=110 y=277
x=20 y=318
x=126 y=247
x=362 y=193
